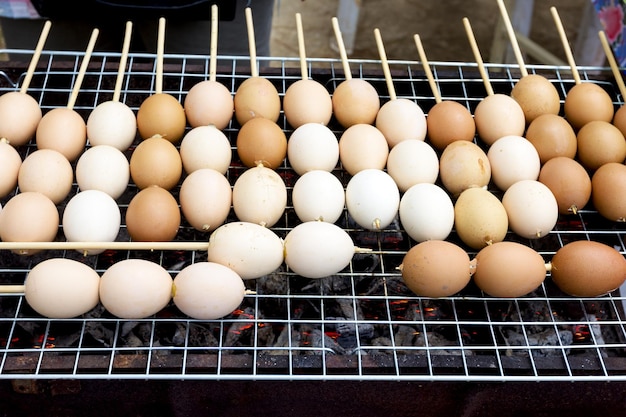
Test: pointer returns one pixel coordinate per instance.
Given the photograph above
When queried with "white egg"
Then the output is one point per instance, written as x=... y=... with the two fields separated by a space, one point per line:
x=312 y=146
x=531 y=208
x=103 y=168
x=318 y=195
x=112 y=123
x=135 y=288
x=91 y=216
x=205 y=147
x=207 y=290
x=513 y=158
x=249 y=249
x=62 y=288
x=205 y=199
x=426 y=212
x=412 y=162
x=372 y=199
x=259 y=196
x=401 y=119
x=318 y=249
x=362 y=146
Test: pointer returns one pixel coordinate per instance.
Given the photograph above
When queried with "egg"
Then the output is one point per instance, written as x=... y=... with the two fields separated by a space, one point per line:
x=587 y=102
x=480 y=218
x=135 y=288
x=261 y=141
x=401 y=119
x=318 y=195
x=436 y=268
x=318 y=249
x=509 y=269
x=91 y=216
x=412 y=162
x=112 y=123
x=153 y=215
x=449 y=121
x=209 y=103
x=362 y=146
x=205 y=198
x=104 y=168
x=588 y=269
x=46 y=171
x=608 y=191
x=372 y=199
x=161 y=114
x=536 y=96
x=307 y=101
x=569 y=182
x=156 y=161
x=205 y=147
x=531 y=207
x=312 y=146
x=426 y=212
x=10 y=163
x=619 y=119
x=463 y=165
x=207 y=290
x=29 y=216
x=19 y=116
x=600 y=142
x=249 y=249
x=355 y=101
x=259 y=196
x=498 y=115
x=552 y=136
x=60 y=288
x=512 y=159
x=256 y=97
x=63 y=130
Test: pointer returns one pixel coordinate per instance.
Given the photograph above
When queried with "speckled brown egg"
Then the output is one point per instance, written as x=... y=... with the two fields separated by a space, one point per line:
x=161 y=114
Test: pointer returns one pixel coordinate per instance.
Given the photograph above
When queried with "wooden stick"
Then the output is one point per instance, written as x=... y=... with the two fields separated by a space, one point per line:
x=564 y=41
x=213 y=48
x=12 y=289
x=479 y=60
x=35 y=59
x=83 y=69
x=254 y=72
x=613 y=63
x=122 y=69
x=160 y=52
x=385 y=64
x=429 y=74
x=191 y=246
x=301 y=48
x=512 y=38
x=342 y=49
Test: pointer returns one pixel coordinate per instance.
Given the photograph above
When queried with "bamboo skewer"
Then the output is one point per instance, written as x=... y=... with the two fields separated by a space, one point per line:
x=160 y=53
x=512 y=38
x=35 y=59
x=124 y=57
x=301 y=48
x=385 y=64
x=429 y=74
x=566 y=47
x=150 y=246
x=612 y=63
x=254 y=71
x=83 y=69
x=213 y=47
x=342 y=49
x=477 y=56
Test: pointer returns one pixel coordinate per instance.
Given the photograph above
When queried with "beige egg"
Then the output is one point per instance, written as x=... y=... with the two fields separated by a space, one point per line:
x=156 y=161
x=161 y=114
x=20 y=115
x=480 y=218
x=104 y=168
x=10 y=163
x=587 y=102
x=46 y=171
x=205 y=147
x=307 y=101
x=259 y=196
x=153 y=215
x=205 y=199
x=256 y=97
x=531 y=208
x=355 y=101
x=599 y=142
x=401 y=119
x=63 y=130
x=112 y=123
x=536 y=96
x=552 y=136
x=498 y=115
x=209 y=103
x=362 y=146
x=412 y=162
x=512 y=159
x=463 y=165
x=447 y=122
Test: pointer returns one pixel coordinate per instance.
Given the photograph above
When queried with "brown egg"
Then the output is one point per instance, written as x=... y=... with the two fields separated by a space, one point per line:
x=10 y=162
x=256 y=97
x=498 y=115
x=362 y=146
x=599 y=142
x=209 y=103
x=449 y=121
x=156 y=161
x=586 y=102
x=261 y=142
x=48 y=172
x=436 y=268
x=63 y=130
x=588 y=269
x=536 y=95
x=307 y=101
x=552 y=136
x=569 y=182
x=153 y=215
x=619 y=119
x=29 y=217
x=19 y=116
x=608 y=191
x=355 y=101
x=161 y=114
x=509 y=269
x=464 y=165
x=480 y=218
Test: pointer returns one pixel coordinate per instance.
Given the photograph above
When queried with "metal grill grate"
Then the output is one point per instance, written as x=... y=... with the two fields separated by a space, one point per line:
x=362 y=324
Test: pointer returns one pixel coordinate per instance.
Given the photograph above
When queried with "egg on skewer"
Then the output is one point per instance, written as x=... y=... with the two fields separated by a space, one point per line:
x=619 y=118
